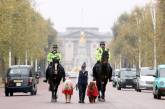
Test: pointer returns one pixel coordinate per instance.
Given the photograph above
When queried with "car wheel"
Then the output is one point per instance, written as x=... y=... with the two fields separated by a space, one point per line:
x=35 y=93
x=6 y=93
x=138 y=89
x=11 y=93
x=158 y=96
x=114 y=85
x=32 y=91
x=118 y=87
x=155 y=96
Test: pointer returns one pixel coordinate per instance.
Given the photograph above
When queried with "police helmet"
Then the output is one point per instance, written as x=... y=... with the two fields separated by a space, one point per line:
x=102 y=43
x=55 y=46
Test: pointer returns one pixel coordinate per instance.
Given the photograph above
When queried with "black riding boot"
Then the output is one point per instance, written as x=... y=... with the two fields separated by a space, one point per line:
x=46 y=75
x=48 y=72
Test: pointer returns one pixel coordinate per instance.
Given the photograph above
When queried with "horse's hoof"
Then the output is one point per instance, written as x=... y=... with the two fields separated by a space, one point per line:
x=99 y=99
x=53 y=100
x=102 y=100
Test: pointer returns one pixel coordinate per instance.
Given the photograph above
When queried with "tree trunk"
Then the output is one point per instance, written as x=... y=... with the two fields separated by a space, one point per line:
x=2 y=67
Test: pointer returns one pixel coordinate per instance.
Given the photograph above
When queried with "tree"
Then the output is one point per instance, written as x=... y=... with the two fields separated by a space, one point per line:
x=22 y=29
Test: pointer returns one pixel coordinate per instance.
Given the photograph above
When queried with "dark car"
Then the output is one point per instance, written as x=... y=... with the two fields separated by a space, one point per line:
x=20 y=78
x=126 y=79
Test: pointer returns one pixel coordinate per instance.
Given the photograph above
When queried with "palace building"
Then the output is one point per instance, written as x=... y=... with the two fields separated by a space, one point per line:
x=78 y=45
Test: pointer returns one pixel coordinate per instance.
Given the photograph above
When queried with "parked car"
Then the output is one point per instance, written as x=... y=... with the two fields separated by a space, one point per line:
x=159 y=83
x=114 y=77
x=145 y=79
x=126 y=78
x=20 y=78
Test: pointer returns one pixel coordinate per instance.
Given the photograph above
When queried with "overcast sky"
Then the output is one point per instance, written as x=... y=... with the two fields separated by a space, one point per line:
x=86 y=13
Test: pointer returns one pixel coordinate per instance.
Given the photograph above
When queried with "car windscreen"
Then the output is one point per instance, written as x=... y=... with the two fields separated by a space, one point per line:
x=162 y=72
x=147 y=72
x=125 y=74
x=14 y=72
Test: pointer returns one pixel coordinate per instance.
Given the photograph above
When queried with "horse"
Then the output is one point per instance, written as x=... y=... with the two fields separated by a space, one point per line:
x=101 y=73
x=56 y=73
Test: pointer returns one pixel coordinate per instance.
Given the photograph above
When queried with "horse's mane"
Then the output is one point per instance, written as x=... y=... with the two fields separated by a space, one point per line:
x=105 y=55
x=54 y=72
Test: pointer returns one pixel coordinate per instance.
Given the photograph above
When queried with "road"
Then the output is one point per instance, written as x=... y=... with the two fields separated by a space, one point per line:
x=124 y=99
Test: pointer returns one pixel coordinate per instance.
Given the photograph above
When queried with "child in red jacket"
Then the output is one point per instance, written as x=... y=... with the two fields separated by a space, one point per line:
x=92 y=91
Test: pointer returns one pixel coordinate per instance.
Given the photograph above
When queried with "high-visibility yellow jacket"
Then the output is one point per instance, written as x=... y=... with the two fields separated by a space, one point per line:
x=52 y=55
x=99 y=52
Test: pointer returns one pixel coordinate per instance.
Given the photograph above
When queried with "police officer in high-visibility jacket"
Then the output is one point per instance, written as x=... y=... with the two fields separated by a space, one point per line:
x=54 y=54
x=99 y=52
x=102 y=57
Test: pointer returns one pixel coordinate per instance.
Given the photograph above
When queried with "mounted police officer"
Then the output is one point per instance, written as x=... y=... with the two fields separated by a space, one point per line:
x=99 y=53
x=102 y=70
x=54 y=54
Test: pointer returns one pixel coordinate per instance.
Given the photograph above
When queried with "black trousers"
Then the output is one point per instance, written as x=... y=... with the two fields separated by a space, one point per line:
x=82 y=91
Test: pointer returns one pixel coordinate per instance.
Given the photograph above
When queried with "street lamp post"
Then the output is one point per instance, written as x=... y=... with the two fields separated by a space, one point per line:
x=10 y=34
x=138 y=21
x=139 y=41
x=120 y=61
x=153 y=15
x=9 y=56
x=26 y=56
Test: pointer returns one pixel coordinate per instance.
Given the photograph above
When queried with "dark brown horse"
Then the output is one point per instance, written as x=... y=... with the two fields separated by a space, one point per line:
x=56 y=73
x=101 y=73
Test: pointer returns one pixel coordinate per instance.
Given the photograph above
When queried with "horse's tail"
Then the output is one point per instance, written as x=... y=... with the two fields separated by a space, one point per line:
x=94 y=73
x=110 y=72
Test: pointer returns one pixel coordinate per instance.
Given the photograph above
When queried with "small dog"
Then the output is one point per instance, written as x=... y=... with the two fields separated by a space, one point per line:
x=92 y=91
x=67 y=90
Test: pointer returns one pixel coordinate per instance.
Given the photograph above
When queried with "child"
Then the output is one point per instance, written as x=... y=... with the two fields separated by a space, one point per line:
x=68 y=90
x=92 y=91
x=82 y=82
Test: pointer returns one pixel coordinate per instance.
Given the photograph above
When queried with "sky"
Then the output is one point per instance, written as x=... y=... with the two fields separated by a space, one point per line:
x=85 y=13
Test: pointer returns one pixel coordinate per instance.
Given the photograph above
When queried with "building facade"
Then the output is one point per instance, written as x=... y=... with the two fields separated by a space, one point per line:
x=79 y=44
